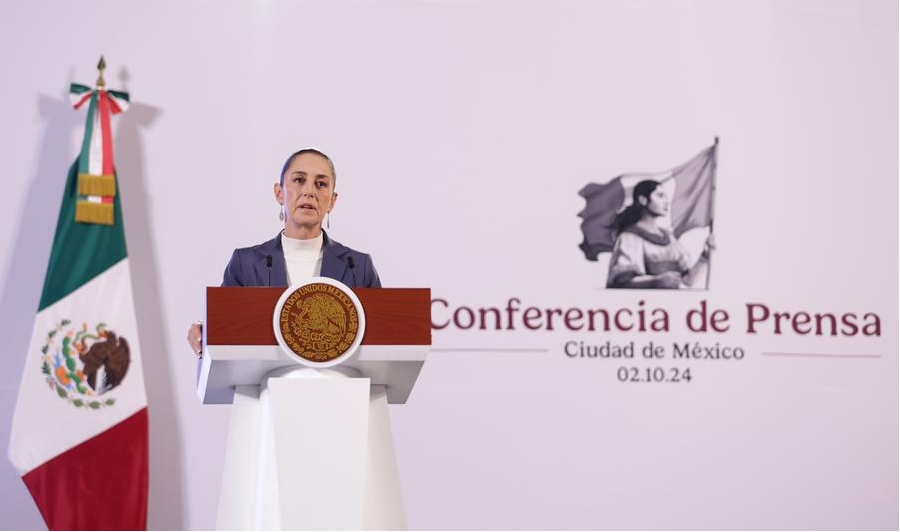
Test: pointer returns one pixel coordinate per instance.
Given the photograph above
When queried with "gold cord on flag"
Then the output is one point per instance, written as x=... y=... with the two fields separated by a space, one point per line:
x=96 y=185
x=94 y=213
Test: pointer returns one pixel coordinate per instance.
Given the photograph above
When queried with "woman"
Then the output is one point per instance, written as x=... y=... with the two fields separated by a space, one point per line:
x=302 y=249
x=647 y=255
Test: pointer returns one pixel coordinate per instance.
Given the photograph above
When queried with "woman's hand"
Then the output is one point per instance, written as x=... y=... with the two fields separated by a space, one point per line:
x=709 y=246
x=195 y=338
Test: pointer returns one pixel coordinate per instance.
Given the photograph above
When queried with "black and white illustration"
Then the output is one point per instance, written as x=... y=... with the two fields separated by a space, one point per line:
x=639 y=218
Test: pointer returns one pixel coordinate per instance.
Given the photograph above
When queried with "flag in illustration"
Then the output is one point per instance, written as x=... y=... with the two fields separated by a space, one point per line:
x=690 y=187
x=79 y=433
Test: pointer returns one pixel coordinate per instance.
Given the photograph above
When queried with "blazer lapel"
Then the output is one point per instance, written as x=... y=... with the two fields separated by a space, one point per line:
x=334 y=261
x=278 y=271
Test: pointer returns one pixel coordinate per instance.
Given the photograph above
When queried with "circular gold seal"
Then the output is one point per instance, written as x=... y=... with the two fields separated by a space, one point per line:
x=319 y=321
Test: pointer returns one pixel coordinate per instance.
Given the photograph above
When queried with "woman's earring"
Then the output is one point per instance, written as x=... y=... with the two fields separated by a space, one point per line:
x=328 y=221
x=281 y=214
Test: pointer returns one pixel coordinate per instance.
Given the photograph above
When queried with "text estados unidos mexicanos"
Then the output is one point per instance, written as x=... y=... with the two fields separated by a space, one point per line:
x=759 y=318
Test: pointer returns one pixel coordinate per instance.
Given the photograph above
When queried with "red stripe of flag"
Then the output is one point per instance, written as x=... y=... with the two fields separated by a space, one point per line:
x=86 y=97
x=114 y=106
x=106 y=131
x=100 y=484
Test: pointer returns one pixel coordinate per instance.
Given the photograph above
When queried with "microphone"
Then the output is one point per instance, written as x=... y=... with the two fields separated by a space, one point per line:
x=269 y=266
x=352 y=268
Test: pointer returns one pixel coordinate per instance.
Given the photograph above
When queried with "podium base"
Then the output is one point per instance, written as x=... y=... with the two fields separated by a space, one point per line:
x=310 y=450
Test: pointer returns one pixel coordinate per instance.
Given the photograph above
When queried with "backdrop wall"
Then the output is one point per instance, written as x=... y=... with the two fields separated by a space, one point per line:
x=462 y=133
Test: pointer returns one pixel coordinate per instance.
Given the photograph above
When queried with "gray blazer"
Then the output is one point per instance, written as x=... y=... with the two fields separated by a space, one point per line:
x=247 y=266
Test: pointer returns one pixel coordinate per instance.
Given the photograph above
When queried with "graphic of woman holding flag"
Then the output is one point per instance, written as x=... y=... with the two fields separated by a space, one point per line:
x=643 y=235
x=646 y=254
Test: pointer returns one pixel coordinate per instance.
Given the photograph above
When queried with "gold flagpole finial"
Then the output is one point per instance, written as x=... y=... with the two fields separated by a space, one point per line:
x=101 y=66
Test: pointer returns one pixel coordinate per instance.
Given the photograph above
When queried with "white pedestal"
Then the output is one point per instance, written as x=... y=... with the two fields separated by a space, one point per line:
x=310 y=450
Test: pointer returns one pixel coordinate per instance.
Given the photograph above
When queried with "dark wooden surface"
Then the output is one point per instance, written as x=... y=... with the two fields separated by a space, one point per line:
x=243 y=315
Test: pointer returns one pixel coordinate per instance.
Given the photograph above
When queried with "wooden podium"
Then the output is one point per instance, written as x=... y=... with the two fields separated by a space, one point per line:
x=311 y=448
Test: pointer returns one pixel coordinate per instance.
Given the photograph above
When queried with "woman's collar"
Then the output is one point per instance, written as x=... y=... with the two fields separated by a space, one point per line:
x=662 y=239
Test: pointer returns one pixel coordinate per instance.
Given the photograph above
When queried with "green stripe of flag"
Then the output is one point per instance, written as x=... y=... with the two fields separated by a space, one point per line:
x=78 y=88
x=81 y=251
x=119 y=94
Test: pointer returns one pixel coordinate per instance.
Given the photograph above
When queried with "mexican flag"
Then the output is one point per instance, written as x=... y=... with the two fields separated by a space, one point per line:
x=79 y=433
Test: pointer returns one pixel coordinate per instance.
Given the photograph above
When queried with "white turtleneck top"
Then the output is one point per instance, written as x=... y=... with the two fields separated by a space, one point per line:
x=303 y=258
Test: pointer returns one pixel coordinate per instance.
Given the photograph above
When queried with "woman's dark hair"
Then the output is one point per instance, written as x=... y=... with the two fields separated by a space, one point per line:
x=301 y=152
x=633 y=212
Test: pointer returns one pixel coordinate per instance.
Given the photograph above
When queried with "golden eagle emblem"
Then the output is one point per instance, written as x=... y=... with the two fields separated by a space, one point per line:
x=83 y=364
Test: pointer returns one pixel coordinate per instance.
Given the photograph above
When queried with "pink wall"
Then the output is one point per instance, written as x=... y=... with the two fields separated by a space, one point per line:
x=462 y=133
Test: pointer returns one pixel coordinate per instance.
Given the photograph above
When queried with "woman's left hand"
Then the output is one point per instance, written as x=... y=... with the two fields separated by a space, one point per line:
x=709 y=246
x=195 y=338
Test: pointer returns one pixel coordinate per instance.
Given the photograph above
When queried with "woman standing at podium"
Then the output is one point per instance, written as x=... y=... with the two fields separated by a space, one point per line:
x=305 y=194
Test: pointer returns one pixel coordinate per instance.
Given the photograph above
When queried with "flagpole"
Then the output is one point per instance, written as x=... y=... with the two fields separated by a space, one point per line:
x=712 y=203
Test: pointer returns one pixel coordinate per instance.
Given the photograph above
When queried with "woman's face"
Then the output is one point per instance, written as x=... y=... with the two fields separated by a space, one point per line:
x=658 y=202
x=307 y=195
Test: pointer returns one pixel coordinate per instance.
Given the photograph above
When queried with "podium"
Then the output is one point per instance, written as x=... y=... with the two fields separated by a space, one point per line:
x=310 y=448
